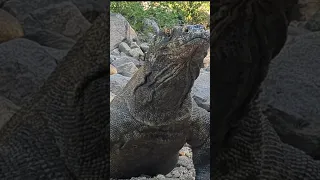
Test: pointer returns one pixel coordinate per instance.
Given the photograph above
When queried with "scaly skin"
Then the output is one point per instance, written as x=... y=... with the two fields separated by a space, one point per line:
x=247 y=34
x=153 y=117
x=63 y=132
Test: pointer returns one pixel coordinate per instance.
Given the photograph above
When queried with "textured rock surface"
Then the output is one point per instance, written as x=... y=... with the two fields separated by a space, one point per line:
x=201 y=90
x=10 y=27
x=7 y=110
x=307 y=8
x=51 y=39
x=120 y=30
x=64 y=18
x=313 y=24
x=117 y=83
x=24 y=66
x=292 y=92
x=127 y=69
x=21 y=8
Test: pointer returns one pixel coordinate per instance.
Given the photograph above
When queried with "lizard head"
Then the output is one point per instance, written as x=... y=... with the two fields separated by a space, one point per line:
x=172 y=65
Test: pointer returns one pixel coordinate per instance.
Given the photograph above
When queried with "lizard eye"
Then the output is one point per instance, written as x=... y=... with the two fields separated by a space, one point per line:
x=186 y=30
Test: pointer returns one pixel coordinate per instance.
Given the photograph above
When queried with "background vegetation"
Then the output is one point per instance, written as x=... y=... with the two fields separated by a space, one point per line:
x=165 y=13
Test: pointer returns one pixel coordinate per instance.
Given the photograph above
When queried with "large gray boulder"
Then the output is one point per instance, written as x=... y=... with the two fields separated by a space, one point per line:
x=117 y=83
x=201 y=90
x=63 y=18
x=51 y=39
x=21 y=8
x=24 y=66
x=291 y=91
x=120 y=30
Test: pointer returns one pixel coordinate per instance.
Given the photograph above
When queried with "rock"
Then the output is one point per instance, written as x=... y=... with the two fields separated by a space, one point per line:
x=206 y=60
x=313 y=24
x=296 y=31
x=117 y=83
x=291 y=91
x=91 y=9
x=24 y=70
x=113 y=70
x=112 y=58
x=201 y=90
x=7 y=110
x=112 y=96
x=136 y=53
x=115 y=52
x=149 y=25
x=207 y=68
x=185 y=162
x=123 y=54
x=127 y=69
x=124 y=47
x=125 y=59
x=10 y=27
x=120 y=30
x=21 y=8
x=144 y=47
x=64 y=18
x=134 y=45
x=51 y=39
x=306 y=8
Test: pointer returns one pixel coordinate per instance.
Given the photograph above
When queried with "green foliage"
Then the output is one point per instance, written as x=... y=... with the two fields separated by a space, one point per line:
x=165 y=13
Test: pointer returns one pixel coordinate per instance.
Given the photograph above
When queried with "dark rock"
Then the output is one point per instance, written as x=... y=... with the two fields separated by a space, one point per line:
x=291 y=91
x=51 y=39
x=7 y=110
x=21 y=8
x=313 y=24
x=10 y=27
x=24 y=66
x=64 y=18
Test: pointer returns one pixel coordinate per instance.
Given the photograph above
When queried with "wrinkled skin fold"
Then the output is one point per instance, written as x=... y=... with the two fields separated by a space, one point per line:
x=247 y=34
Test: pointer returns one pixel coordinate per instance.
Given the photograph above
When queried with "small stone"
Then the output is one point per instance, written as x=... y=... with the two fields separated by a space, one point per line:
x=127 y=69
x=144 y=47
x=113 y=70
x=160 y=176
x=136 y=53
x=112 y=58
x=124 y=47
x=123 y=54
x=134 y=45
x=10 y=27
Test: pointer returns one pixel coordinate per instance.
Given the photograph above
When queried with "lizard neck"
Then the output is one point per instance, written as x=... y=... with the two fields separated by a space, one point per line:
x=158 y=97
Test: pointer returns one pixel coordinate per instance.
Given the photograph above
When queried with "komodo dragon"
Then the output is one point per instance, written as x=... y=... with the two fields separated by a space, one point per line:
x=63 y=133
x=153 y=118
x=247 y=34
